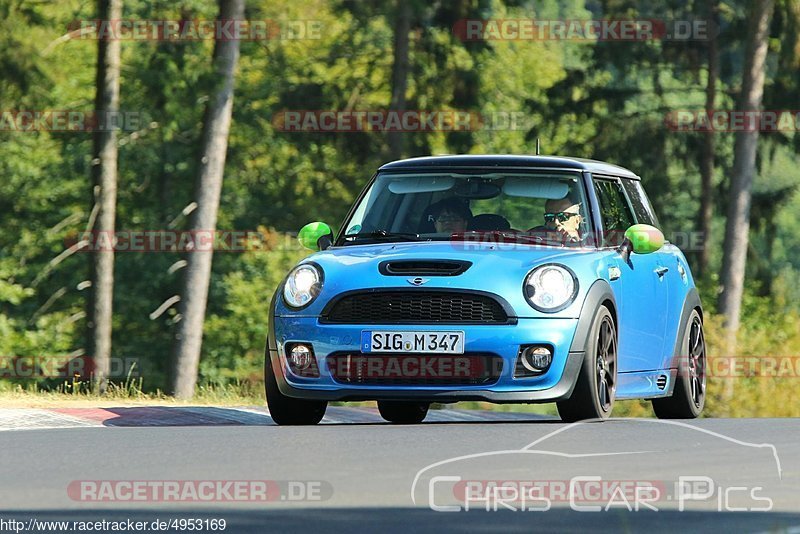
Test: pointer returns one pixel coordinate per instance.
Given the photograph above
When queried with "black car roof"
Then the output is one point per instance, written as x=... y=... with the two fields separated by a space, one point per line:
x=509 y=161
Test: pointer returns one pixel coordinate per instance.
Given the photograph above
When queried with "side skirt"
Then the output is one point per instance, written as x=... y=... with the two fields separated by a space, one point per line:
x=645 y=384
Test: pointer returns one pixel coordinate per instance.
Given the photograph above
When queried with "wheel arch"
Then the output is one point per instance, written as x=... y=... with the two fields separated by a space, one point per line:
x=699 y=310
x=600 y=294
x=612 y=307
x=690 y=304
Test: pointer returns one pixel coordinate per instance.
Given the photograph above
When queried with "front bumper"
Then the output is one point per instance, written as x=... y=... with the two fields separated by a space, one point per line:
x=504 y=341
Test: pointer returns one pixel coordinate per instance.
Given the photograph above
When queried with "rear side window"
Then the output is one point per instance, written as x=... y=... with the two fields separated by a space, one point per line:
x=614 y=211
x=642 y=209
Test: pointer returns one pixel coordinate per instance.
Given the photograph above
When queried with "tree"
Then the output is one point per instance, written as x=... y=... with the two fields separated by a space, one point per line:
x=216 y=126
x=402 y=26
x=737 y=225
x=104 y=196
x=708 y=148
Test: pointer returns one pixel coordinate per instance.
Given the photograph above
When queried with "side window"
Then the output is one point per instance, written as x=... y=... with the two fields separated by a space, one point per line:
x=642 y=209
x=614 y=211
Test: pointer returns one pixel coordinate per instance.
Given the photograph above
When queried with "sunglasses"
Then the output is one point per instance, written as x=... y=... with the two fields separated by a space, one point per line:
x=562 y=216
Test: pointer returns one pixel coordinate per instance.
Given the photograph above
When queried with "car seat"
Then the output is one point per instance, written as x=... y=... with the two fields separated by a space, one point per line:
x=488 y=222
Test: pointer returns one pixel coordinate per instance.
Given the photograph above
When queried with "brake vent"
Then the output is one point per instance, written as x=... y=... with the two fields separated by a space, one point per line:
x=661 y=382
x=424 y=267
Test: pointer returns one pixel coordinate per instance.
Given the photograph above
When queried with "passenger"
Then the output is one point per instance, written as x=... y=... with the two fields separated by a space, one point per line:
x=450 y=215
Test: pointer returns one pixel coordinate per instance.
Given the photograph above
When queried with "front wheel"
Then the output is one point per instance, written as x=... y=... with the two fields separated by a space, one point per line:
x=404 y=413
x=596 y=388
x=689 y=397
x=287 y=410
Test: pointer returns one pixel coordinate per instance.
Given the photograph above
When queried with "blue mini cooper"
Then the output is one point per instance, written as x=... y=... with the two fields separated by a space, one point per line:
x=507 y=279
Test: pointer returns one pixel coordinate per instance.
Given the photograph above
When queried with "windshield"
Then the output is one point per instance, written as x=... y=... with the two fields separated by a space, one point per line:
x=527 y=207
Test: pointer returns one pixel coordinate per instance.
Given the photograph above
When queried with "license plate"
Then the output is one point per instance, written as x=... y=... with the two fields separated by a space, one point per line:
x=410 y=342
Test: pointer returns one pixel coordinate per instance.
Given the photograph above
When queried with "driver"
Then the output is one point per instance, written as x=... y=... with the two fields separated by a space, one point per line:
x=562 y=220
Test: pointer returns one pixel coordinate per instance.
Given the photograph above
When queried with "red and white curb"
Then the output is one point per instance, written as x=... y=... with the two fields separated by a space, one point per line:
x=154 y=416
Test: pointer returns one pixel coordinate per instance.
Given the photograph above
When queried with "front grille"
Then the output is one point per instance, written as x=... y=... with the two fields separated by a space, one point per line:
x=415 y=307
x=469 y=369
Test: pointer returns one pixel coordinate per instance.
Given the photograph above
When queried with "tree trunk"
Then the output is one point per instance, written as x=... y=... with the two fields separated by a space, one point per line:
x=104 y=198
x=402 y=27
x=770 y=229
x=708 y=148
x=744 y=170
x=189 y=336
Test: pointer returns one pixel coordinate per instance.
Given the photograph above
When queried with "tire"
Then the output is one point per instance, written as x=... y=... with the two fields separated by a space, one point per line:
x=689 y=396
x=403 y=413
x=596 y=387
x=287 y=410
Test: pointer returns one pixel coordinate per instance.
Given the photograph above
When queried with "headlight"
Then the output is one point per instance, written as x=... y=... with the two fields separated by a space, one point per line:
x=550 y=288
x=302 y=285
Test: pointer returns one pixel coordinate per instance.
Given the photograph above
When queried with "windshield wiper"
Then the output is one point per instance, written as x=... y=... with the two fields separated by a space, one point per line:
x=382 y=235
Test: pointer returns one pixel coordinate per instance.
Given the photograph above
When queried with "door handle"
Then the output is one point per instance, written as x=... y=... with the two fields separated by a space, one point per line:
x=661 y=271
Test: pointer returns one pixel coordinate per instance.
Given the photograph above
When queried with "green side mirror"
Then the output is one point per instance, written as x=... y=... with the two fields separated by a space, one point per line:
x=316 y=236
x=644 y=238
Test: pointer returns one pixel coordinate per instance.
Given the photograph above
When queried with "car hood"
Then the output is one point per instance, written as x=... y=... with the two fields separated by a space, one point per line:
x=484 y=256
x=496 y=268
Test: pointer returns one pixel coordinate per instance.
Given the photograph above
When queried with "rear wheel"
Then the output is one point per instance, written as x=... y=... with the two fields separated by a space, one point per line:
x=689 y=397
x=287 y=410
x=596 y=388
x=402 y=412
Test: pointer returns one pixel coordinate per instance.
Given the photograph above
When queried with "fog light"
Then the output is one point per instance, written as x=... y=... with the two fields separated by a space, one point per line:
x=537 y=359
x=533 y=361
x=301 y=356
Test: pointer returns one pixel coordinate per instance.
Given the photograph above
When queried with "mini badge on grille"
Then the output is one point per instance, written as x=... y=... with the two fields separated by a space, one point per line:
x=417 y=281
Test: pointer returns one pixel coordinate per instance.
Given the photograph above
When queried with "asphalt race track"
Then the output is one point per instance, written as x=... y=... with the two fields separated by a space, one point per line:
x=354 y=472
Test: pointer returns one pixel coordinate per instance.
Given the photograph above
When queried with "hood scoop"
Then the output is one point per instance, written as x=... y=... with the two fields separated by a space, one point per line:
x=423 y=267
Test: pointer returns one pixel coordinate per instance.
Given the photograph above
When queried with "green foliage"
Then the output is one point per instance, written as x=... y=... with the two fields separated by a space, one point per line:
x=235 y=336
